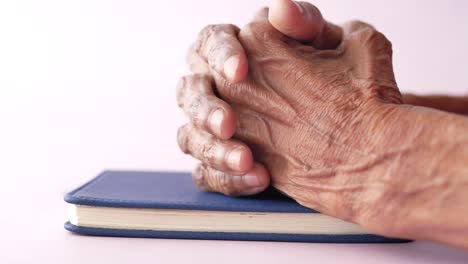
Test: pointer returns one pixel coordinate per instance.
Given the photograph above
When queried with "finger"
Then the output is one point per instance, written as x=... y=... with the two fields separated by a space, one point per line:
x=211 y=180
x=303 y=21
x=219 y=48
x=206 y=111
x=196 y=63
x=364 y=41
x=231 y=156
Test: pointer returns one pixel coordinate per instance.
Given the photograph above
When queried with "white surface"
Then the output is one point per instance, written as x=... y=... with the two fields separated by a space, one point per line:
x=88 y=85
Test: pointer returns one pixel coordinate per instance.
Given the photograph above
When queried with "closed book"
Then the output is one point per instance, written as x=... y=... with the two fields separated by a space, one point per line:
x=169 y=205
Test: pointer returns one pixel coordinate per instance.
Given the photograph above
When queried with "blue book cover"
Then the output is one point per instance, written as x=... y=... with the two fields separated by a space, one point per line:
x=138 y=200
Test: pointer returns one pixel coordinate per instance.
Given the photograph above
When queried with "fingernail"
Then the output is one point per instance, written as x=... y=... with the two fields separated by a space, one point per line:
x=216 y=118
x=230 y=67
x=305 y=12
x=251 y=180
x=234 y=158
x=299 y=7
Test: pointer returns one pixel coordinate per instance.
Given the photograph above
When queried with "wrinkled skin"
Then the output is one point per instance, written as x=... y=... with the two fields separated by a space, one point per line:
x=330 y=127
x=309 y=107
x=301 y=109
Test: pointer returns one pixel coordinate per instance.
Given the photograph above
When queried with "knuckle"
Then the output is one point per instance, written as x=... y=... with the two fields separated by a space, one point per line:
x=203 y=82
x=376 y=41
x=214 y=29
x=209 y=179
x=183 y=138
x=208 y=33
x=211 y=29
x=193 y=93
x=225 y=184
x=196 y=108
x=258 y=29
x=369 y=36
x=208 y=152
x=198 y=82
x=203 y=36
x=380 y=41
x=208 y=29
x=219 y=46
x=253 y=27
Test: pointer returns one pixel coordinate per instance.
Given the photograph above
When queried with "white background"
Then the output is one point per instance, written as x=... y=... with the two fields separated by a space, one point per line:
x=89 y=85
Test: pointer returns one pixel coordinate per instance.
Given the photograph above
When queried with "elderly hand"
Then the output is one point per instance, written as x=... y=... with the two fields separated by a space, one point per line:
x=315 y=118
x=326 y=121
x=217 y=48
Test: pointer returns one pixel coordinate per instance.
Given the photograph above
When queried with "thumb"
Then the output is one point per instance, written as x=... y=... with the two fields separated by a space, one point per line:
x=303 y=21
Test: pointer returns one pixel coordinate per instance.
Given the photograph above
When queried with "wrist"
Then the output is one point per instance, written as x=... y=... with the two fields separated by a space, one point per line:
x=423 y=164
x=391 y=131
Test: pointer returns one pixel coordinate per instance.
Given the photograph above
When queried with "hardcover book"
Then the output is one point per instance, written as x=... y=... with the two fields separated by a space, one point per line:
x=168 y=205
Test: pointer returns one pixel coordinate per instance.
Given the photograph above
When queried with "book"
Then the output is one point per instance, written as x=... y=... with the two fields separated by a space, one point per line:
x=169 y=205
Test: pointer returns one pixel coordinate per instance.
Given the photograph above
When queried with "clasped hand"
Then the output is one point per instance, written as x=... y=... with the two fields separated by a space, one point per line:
x=309 y=113
x=313 y=109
